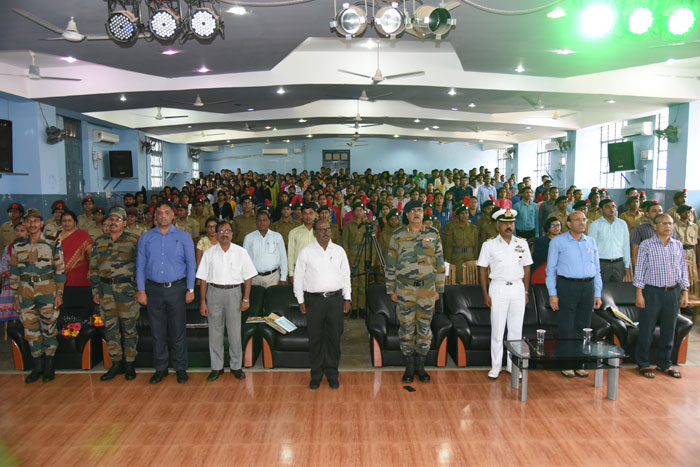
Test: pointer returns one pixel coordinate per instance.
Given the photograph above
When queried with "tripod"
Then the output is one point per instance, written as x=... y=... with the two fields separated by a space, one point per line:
x=369 y=245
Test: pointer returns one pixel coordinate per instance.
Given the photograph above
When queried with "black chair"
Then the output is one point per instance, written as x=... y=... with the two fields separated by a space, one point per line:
x=623 y=298
x=383 y=327
x=289 y=350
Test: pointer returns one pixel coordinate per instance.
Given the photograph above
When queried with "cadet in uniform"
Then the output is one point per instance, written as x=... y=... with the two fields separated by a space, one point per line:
x=286 y=223
x=461 y=242
x=679 y=199
x=53 y=225
x=486 y=224
x=509 y=259
x=415 y=276
x=245 y=223
x=113 y=281
x=353 y=237
x=96 y=229
x=85 y=220
x=561 y=213
x=688 y=232
x=7 y=230
x=131 y=223
x=199 y=216
x=324 y=213
x=392 y=222
x=633 y=216
x=186 y=224
x=37 y=277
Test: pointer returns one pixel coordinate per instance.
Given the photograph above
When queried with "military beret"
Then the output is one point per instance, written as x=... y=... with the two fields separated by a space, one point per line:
x=32 y=212
x=246 y=198
x=119 y=211
x=357 y=205
x=296 y=205
x=460 y=209
x=561 y=198
x=86 y=199
x=631 y=199
x=309 y=206
x=486 y=204
x=413 y=204
x=324 y=207
x=58 y=204
x=649 y=203
x=505 y=215
x=100 y=209
x=16 y=206
x=683 y=208
x=427 y=217
x=606 y=201
x=197 y=201
x=131 y=212
x=286 y=205
x=580 y=204
x=679 y=194
x=392 y=213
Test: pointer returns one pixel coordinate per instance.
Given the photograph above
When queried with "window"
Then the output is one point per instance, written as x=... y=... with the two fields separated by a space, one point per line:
x=660 y=152
x=503 y=158
x=195 y=166
x=544 y=160
x=156 y=164
x=610 y=133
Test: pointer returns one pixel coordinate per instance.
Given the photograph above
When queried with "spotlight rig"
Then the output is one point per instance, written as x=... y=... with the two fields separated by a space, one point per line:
x=204 y=19
x=124 y=21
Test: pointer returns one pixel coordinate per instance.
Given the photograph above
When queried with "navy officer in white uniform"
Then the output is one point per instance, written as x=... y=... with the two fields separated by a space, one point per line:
x=509 y=259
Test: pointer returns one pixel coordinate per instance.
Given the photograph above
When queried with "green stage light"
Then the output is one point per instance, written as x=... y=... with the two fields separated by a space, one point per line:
x=681 y=21
x=640 y=20
x=597 y=20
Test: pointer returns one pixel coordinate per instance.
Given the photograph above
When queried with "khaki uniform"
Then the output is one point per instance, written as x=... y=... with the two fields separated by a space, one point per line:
x=335 y=234
x=84 y=222
x=113 y=279
x=487 y=229
x=95 y=231
x=594 y=214
x=284 y=228
x=689 y=237
x=384 y=239
x=137 y=230
x=461 y=245
x=242 y=226
x=353 y=237
x=562 y=218
x=201 y=222
x=51 y=228
x=7 y=234
x=190 y=226
x=632 y=220
x=37 y=274
x=692 y=215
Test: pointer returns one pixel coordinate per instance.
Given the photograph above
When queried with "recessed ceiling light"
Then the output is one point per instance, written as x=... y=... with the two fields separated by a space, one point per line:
x=189 y=126
x=435 y=127
x=556 y=13
x=426 y=128
x=563 y=51
x=228 y=140
x=237 y=10
x=309 y=136
x=471 y=105
x=481 y=140
x=268 y=128
x=280 y=91
x=301 y=120
x=528 y=128
x=274 y=129
x=452 y=92
x=454 y=108
x=170 y=52
x=202 y=69
x=122 y=98
x=286 y=141
x=416 y=120
x=610 y=101
x=396 y=136
x=69 y=59
x=519 y=69
x=250 y=109
x=415 y=140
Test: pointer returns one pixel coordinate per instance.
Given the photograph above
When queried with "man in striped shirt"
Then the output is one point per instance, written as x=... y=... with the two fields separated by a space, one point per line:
x=661 y=279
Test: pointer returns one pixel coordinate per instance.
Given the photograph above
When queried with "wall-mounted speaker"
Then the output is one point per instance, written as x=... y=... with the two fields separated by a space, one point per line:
x=120 y=164
x=5 y=146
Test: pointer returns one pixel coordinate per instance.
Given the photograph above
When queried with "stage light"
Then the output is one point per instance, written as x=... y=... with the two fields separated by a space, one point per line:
x=350 y=21
x=681 y=21
x=390 y=21
x=640 y=20
x=597 y=20
x=204 y=23
x=164 y=25
x=122 y=26
x=429 y=20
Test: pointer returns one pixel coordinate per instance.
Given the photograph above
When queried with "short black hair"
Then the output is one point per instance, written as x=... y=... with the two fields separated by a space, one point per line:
x=68 y=212
x=210 y=219
x=163 y=203
x=221 y=224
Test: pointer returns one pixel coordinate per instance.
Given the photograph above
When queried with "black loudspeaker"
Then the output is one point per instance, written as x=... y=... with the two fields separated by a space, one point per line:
x=120 y=164
x=5 y=146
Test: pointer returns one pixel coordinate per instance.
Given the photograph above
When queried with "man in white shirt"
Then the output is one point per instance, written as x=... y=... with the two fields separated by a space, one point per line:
x=322 y=288
x=266 y=249
x=223 y=269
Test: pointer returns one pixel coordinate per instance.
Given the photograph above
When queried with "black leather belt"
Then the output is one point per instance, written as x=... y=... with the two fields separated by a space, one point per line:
x=585 y=279
x=688 y=247
x=267 y=273
x=33 y=278
x=413 y=283
x=665 y=289
x=166 y=285
x=325 y=294
x=116 y=280
x=616 y=260
x=228 y=286
x=462 y=250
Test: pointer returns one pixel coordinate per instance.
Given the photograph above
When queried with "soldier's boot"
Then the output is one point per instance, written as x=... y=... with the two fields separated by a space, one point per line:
x=38 y=370
x=49 y=373
x=130 y=371
x=420 y=369
x=363 y=313
x=410 y=368
x=117 y=369
x=353 y=314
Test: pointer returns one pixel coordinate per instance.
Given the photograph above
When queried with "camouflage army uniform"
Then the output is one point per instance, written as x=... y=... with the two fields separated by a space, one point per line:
x=37 y=274
x=461 y=245
x=487 y=228
x=137 y=229
x=632 y=220
x=7 y=234
x=415 y=271
x=353 y=236
x=113 y=279
x=242 y=226
x=283 y=228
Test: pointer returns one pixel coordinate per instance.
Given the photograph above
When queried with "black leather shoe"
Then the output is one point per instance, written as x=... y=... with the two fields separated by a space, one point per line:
x=182 y=376
x=129 y=371
x=353 y=314
x=315 y=383
x=334 y=383
x=158 y=376
x=49 y=373
x=363 y=313
x=238 y=373
x=37 y=372
x=214 y=375
x=117 y=369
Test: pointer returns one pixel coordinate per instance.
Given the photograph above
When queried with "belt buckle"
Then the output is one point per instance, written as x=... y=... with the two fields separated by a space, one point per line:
x=326 y=294
x=509 y=283
x=417 y=283
x=167 y=285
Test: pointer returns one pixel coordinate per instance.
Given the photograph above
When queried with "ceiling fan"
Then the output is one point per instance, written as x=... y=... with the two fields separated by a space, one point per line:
x=34 y=73
x=477 y=129
x=159 y=115
x=198 y=102
x=358 y=118
x=378 y=76
x=70 y=33
x=204 y=134
x=557 y=116
x=537 y=105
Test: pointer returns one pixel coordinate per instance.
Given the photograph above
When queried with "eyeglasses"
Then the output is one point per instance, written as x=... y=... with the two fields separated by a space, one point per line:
x=324 y=230
x=664 y=223
x=225 y=231
x=118 y=219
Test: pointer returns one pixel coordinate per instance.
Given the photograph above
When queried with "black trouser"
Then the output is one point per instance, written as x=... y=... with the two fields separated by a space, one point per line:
x=612 y=271
x=77 y=303
x=166 y=313
x=660 y=306
x=575 y=307
x=324 y=322
x=526 y=234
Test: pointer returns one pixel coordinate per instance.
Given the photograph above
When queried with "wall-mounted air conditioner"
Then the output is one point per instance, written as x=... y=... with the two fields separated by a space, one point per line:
x=275 y=151
x=102 y=136
x=553 y=146
x=638 y=129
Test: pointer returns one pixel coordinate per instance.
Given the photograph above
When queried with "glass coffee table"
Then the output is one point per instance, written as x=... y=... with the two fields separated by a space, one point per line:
x=597 y=355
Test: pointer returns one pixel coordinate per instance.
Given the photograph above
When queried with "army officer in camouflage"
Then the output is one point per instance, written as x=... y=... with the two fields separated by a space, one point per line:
x=415 y=276
x=113 y=281
x=37 y=277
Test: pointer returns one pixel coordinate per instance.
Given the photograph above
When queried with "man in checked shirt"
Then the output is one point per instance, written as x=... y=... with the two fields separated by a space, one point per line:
x=661 y=279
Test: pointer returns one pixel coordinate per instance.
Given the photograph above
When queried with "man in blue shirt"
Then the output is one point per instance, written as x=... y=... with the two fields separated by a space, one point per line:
x=573 y=272
x=526 y=223
x=613 y=240
x=165 y=274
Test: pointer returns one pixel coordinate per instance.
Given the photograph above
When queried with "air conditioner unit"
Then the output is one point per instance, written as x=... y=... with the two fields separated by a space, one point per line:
x=553 y=146
x=102 y=136
x=210 y=148
x=275 y=151
x=638 y=129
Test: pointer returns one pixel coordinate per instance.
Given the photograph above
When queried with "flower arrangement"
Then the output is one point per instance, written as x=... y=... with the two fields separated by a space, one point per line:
x=97 y=321
x=71 y=329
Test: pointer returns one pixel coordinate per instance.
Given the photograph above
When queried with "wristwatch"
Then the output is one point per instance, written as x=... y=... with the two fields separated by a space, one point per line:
x=246 y=300
x=190 y=290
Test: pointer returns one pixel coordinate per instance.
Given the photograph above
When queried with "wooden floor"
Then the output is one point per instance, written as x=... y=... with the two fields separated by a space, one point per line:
x=272 y=418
